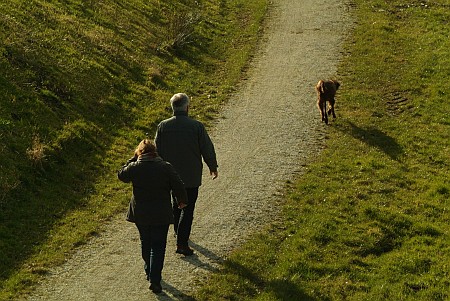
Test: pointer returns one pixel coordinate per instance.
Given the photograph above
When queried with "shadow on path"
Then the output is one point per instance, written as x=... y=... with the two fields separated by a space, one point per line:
x=203 y=259
x=196 y=260
x=171 y=293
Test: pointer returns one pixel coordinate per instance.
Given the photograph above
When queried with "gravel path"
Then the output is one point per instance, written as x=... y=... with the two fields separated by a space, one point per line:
x=268 y=132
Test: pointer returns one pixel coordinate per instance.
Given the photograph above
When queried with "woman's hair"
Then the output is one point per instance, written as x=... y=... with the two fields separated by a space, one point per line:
x=146 y=146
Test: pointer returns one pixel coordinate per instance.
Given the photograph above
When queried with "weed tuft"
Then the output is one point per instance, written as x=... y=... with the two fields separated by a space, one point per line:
x=36 y=153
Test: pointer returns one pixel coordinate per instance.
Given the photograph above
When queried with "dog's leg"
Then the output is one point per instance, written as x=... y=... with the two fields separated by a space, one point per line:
x=319 y=106
x=324 y=112
x=331 y=110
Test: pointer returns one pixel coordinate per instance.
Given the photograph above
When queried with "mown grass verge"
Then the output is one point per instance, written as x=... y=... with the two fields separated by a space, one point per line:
x=82 y=82
x=370 y=219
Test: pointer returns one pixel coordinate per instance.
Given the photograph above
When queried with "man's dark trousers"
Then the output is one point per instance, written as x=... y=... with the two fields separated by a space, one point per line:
x=184 y=217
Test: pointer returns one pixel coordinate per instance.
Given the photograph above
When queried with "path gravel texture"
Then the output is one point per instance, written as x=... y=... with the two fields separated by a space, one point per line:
x=267 y=134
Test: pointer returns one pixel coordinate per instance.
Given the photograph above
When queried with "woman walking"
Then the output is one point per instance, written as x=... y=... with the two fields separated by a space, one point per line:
x=153 y=181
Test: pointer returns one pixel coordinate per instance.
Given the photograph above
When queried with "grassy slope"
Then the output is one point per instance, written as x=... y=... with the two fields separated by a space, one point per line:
x=82 y=82
x=370 y=219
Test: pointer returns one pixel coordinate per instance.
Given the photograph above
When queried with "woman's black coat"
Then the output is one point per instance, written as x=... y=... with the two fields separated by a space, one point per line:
x=153 y=181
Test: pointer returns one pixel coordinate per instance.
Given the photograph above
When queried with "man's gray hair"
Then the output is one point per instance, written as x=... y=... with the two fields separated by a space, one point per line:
x=179 y=102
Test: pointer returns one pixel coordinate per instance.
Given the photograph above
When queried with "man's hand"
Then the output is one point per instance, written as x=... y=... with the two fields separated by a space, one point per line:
x=182 y=205
x=214 y=174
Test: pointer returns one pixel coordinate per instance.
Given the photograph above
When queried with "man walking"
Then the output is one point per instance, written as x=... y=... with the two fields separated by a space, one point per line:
x=184 y=142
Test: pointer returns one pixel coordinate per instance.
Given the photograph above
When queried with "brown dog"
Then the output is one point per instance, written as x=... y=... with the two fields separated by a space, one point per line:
x=326 y=90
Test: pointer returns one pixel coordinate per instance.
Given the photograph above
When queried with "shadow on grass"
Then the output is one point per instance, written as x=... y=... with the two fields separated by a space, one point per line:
x=283 y=289
x=47 y=192
x=376 y=138
x=31 y=211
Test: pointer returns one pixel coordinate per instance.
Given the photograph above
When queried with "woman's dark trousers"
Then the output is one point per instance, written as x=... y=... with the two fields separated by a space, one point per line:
x=184 y=217
x=153 y=247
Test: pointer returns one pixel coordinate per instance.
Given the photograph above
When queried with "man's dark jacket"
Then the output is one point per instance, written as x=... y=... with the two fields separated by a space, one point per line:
x=153 y=180
x=183 y=142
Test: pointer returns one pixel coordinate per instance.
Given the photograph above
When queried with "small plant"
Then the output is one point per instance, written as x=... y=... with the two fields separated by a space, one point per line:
x=36 y=152
x=180 y=29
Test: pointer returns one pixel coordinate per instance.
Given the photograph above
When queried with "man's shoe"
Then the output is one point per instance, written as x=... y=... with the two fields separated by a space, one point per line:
x=156 y=288
x=186 y=251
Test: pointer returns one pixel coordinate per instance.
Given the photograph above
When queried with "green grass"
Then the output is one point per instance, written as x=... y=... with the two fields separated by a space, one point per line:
x=369 y=220
x=82 y=82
